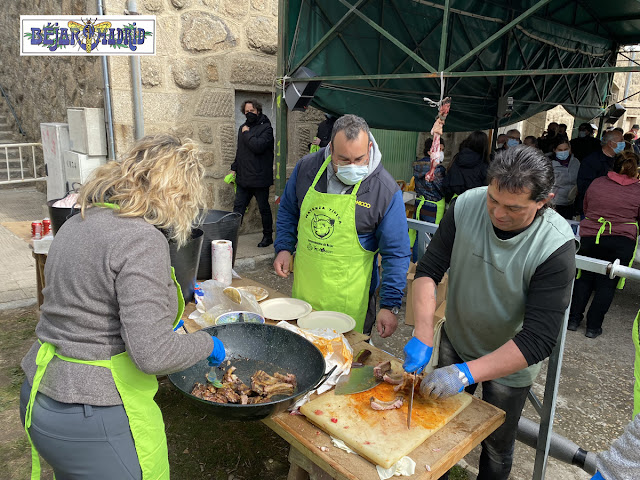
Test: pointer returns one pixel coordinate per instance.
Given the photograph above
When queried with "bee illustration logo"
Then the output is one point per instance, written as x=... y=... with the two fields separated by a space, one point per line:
x=322 y=226
x=89 y=32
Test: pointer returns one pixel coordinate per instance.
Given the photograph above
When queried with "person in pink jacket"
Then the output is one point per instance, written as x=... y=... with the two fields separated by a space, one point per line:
x=609 y=231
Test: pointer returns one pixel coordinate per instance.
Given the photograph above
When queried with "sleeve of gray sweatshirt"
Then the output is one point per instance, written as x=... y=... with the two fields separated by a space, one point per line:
x=144 y=289
x=622 y=460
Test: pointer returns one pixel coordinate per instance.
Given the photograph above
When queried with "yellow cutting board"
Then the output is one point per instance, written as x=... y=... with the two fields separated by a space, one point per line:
x=381 y=437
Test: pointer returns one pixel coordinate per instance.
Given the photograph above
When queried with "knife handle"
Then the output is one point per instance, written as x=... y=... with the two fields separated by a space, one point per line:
x=360 y=358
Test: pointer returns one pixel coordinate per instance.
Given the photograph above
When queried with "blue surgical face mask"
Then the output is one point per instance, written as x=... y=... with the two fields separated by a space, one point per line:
x=352 y=174
x=512 y=142
x=563 y=155
x=582 y=134
x=619 y=147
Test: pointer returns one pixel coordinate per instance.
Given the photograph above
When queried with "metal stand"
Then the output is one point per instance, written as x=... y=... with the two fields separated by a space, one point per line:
x=546 y=409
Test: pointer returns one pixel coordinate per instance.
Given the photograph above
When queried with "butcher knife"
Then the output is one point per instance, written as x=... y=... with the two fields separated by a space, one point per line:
x=413 y=387
x=360 y=379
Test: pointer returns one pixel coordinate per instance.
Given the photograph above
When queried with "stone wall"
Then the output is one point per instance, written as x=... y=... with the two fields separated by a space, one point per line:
x=42 y=88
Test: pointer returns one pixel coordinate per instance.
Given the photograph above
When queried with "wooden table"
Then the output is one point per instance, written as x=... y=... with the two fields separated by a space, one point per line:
x=441 y=451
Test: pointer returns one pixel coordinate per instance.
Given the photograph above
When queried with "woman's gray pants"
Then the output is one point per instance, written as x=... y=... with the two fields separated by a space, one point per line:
x=82 y=441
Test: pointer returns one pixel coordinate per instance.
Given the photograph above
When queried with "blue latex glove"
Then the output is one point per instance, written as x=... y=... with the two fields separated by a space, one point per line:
x=446 y=381
x=180 y=324
x=598 y=476
x=417 y=355
x=217 y=354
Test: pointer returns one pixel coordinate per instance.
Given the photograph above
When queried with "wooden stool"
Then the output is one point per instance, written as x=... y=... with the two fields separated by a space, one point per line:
x=303 y=468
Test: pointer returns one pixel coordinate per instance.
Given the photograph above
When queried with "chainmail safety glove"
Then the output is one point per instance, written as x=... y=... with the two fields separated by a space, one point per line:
x=417 y=355
x=446 y=381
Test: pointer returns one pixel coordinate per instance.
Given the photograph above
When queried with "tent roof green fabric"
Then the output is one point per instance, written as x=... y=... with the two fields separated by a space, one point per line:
x=395 y=40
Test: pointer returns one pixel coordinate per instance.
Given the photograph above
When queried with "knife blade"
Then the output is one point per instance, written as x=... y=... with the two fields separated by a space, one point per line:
x=413 y=387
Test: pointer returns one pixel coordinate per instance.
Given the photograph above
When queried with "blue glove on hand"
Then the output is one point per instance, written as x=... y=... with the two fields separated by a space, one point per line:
x=217 y=354
x=446 y=381
x=417 y=355
x=180 y=324
x=597 y=476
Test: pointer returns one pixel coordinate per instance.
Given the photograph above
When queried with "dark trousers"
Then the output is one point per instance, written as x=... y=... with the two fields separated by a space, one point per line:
x=496 y=457
x=243 y=197
x=370 y=319
x=610 y=248
x=567 y=211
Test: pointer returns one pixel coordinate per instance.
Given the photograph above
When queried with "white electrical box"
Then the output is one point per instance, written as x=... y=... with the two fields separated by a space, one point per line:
x=78 y=166
x=55 y=141
x=87 y=131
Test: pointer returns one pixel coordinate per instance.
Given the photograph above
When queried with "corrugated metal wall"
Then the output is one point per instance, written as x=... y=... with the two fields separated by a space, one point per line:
x=398 y=151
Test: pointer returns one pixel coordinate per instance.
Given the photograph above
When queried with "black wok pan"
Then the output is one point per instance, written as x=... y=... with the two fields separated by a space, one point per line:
x=252 y=347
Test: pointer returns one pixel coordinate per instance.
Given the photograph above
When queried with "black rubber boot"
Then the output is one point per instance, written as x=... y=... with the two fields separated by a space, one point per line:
x=265 y=242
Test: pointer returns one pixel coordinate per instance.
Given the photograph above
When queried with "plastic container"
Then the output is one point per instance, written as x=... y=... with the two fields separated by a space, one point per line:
x=59 y=215
x=185 y=262
x=217 y=225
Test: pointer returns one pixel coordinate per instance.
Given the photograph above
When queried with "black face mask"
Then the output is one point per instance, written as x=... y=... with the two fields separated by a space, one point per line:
x=251 y=118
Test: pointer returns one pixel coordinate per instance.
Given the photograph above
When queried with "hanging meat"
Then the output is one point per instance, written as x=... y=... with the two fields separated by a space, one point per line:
x=436 y=132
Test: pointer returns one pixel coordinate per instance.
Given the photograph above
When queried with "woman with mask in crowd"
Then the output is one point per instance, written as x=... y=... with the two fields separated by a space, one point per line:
x=565 y=168
x=469 y=167
x=609 y=231
x=106 y=329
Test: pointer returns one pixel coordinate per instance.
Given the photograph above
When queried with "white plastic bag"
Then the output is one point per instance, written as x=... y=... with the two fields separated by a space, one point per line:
x=214 y=303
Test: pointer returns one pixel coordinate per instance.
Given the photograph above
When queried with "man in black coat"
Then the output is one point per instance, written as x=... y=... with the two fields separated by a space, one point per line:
x=253 y=166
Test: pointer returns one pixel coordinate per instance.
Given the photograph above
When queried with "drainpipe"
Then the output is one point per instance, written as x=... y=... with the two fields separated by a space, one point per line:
x=107 y=98
x=136 y=86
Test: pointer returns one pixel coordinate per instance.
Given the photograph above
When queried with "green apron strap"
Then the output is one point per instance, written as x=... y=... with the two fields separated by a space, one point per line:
x=45 y=354
x=412 y=232
x=314 y=148
x=112 y=206
x=602 y=228
x=622 y=280
x=180 y=298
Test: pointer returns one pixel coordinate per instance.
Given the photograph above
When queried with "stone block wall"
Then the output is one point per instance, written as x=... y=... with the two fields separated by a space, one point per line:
x=42 y=88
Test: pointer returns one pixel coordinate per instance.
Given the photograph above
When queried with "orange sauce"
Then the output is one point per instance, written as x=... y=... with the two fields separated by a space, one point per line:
x=426 y=413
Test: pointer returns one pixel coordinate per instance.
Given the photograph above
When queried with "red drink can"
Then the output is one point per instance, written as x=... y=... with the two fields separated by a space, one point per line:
x=36 y=230
x=46 y=227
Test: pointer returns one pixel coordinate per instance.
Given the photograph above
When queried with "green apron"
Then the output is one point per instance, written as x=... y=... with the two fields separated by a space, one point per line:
x=314 y=148
x=635 y=335
x=136 y=389
x=440 y=207
x=603 y=225
x=332 y=270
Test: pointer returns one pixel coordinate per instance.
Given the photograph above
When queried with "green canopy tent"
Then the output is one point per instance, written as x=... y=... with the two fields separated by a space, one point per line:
x=381 y=58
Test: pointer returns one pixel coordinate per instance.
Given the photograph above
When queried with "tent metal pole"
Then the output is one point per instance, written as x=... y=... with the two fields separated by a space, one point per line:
x=443 y=38
x=498 y=34
x=483 y=73
x=392 y=39
x=327 y=37
x=281 y=106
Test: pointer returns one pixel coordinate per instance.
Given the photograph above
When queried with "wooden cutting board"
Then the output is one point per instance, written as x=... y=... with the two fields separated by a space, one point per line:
x=381 y=437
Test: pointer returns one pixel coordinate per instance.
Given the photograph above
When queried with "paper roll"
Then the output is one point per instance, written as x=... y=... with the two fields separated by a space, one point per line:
x=221 y=259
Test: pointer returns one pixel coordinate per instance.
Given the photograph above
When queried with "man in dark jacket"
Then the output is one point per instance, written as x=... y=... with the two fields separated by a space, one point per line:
x=585 y=144
x=253 y=166
x=598 y=164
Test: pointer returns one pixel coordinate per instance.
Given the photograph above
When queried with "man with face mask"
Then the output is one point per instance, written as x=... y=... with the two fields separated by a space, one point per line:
x=546 y=141
x=585 y=144
x=513 y=138
x=253 y=166
x=339 y=209
x=598 y=164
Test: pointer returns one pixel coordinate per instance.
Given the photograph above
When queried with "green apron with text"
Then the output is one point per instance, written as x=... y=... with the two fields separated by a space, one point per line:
x=440 y=208
x=136 y=389
x=603 y=225
x=332 y=270
x=635 y=335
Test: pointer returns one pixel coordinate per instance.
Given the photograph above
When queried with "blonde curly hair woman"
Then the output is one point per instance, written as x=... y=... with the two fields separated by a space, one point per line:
x=106 y=324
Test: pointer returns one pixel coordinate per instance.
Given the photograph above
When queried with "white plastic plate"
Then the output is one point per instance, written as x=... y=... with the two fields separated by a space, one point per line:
x=285 y=309
x=340 y=322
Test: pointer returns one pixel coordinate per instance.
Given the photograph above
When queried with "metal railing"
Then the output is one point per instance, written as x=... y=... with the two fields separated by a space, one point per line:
x=26 y=175
x=13 y=112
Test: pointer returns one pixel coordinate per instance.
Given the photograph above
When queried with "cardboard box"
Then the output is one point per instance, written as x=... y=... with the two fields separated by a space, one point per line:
x=441 y=294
